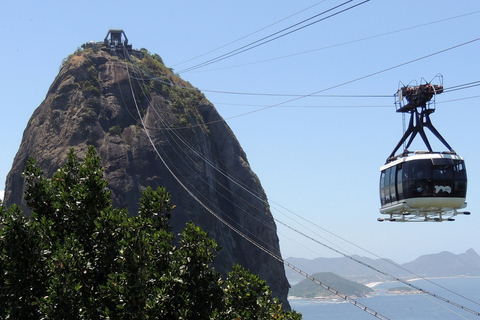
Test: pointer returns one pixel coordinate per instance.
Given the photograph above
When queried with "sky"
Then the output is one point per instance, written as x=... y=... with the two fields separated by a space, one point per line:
x=317 y=157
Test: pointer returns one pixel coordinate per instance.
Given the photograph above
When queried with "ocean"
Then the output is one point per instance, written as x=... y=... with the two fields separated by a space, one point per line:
x=403 y=306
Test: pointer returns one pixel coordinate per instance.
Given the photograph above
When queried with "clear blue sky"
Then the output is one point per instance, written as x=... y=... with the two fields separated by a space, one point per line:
x=319 y=156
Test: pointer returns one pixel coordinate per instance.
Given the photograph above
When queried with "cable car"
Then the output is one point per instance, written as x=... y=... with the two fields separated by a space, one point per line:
x=422 y=185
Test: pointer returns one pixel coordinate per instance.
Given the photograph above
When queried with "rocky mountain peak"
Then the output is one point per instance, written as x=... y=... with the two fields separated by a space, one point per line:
x=112 y=99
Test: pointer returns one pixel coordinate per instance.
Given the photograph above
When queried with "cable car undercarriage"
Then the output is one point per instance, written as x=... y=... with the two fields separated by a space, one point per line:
x=423 y=185
x=409 y=214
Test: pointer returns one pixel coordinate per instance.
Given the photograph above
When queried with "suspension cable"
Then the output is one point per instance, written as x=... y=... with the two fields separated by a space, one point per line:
x=266 y=40
x=269 y=252
x=343 y=43
x=368 y=251
x=273 y=254
x=246 y=36
x=383 y=272
x=175 y=136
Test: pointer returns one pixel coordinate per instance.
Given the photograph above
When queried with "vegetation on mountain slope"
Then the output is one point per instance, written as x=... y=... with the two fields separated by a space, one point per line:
x=77 y=257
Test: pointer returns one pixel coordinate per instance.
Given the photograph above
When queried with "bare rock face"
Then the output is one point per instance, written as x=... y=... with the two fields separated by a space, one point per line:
x=151 y=128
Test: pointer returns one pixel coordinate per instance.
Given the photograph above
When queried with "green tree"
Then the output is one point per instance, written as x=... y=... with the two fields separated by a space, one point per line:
x=21 y=278
x=77 y=257
x=246 y=296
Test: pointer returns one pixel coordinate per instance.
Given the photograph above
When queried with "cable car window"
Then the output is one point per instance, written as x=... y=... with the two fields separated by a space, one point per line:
x=460 y=179
x=421 y=169
x=382 y=188
x=407 y=190
x=460 y=171
x=400 y=181
x=393 y=185
x=442 y=162
x=443 y=172
x=420 y=179
x=460 y=188
x=387 y=185
x=405 y=169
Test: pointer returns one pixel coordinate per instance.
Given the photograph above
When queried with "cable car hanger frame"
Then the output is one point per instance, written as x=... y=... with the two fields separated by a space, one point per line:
x=420 y=106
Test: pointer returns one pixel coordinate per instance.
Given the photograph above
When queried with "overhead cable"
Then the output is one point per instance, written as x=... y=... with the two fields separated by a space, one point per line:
x=269 y=38
x=246 y=36
x=307 y=107
x=231 y=227
x=276 y=256
x=358 y=79
x=361 y=248
x=384 y=273
x=462 y=86
x=299 y=95
x=459 y=99
x=206 y=207
x=316 y=94
x=343 y=43
x=185 y=157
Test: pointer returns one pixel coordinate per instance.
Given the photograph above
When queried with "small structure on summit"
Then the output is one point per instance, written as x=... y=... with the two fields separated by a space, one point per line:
x=115 y=41
x=114 y=44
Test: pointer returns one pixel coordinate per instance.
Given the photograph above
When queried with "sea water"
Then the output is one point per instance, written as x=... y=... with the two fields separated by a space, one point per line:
x=464 y=291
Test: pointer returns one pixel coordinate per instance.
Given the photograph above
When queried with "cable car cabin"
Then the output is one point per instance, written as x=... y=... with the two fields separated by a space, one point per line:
x=425 y=185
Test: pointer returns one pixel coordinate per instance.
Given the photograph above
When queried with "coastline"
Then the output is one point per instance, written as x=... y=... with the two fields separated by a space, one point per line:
x=398 y=306
x=373 y=284
x=380 y=291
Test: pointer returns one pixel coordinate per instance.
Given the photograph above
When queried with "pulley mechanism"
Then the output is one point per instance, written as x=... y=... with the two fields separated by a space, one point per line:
x=417 y=100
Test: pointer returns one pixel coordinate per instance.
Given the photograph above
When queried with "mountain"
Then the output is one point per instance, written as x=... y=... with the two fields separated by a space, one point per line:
x=344 y=267
x=152 y=128
x=446 y=264
x=443 y=264
x=309 y=289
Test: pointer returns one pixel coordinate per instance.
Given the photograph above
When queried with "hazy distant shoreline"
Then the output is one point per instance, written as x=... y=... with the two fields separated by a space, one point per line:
x=373 y=284
x=377 y=291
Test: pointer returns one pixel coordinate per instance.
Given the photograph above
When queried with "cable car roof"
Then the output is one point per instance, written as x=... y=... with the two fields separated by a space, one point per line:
x=419 y=155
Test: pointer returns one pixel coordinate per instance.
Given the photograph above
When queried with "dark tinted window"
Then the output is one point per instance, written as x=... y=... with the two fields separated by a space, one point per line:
x=460 y=174
x=399 y=181
x=460 y=171
x=433 y=178
x=421 y=169
x=443 y=172
x=423 y=178
x=387 y=185
x=382 y=188
x=393 y=186
x=417 y=178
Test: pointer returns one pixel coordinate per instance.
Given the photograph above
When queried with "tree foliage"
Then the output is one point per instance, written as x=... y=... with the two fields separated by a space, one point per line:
x=77 y=257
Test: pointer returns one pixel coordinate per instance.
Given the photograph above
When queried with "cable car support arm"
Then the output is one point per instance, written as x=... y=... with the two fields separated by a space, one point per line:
x=419 y=109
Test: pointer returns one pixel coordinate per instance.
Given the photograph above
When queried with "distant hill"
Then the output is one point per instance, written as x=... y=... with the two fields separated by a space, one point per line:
x=443 y=264
x=446 y=264
x=308 y=289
